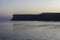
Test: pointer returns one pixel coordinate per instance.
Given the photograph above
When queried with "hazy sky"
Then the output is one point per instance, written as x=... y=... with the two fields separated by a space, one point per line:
x=8 y=7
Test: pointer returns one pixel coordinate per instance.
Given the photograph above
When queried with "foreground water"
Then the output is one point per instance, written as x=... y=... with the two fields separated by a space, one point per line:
x=29 y=30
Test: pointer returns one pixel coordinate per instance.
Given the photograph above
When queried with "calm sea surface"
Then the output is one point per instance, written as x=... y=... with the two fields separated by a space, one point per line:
x=29 y=30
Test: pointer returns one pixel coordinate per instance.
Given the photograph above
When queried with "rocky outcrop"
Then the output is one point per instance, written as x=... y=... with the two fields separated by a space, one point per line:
x=50 y=17
x=39 y=17
x=25 y=17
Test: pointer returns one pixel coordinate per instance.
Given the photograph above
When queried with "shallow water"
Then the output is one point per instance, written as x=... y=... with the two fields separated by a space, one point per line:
x=29 y=30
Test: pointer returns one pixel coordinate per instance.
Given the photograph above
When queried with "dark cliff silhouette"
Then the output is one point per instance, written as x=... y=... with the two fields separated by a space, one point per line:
x=25 y=17
x=38 y=17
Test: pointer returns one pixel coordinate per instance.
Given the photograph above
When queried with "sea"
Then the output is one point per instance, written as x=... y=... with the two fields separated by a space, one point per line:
x=30 y=30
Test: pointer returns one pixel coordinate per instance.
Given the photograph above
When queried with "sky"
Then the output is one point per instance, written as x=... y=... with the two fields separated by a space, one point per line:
x=10 y=7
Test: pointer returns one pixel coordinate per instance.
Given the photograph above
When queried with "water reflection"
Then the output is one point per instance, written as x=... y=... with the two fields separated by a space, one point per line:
x=24 y=26
x=6 y=31
x=29 y=31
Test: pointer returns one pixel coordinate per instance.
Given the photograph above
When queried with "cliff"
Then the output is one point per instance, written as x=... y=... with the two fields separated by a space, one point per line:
x=39 y=17
x=25 y=17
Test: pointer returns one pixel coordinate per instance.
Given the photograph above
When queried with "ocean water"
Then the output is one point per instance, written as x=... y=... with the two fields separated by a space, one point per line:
x=29 y=30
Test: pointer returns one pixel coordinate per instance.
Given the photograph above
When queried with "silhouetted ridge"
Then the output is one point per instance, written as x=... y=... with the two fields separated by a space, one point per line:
x=38 y=17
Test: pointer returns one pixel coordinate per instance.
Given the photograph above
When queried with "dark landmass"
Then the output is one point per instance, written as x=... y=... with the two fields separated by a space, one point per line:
x=38 y=17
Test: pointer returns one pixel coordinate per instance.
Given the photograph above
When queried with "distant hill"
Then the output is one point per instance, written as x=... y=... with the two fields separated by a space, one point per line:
x=40 y=17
